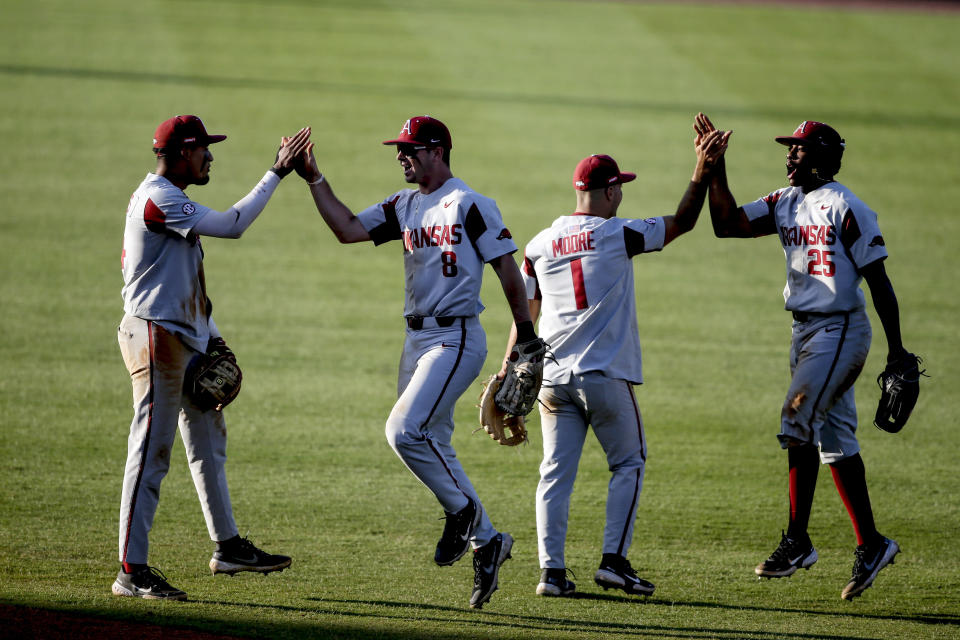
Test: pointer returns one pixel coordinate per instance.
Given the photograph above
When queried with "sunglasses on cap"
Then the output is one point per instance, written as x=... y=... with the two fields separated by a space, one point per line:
x=410 y=150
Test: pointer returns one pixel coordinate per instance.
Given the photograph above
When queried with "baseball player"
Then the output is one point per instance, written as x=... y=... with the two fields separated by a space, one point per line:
x=167 y=323
x=579 y=281
x=831 y=242
x=448 y=233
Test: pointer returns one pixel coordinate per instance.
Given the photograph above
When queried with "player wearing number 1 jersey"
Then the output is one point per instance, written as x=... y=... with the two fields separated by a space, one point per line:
x=579 y=278
x=831 y=241
x=447 y=232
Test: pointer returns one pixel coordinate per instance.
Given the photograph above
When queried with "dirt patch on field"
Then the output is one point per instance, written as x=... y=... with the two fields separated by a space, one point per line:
x=26 y=623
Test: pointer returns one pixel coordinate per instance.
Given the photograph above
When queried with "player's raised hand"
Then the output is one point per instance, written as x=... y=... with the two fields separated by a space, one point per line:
x=702 y=124
x=289 y=149
x=306 y=165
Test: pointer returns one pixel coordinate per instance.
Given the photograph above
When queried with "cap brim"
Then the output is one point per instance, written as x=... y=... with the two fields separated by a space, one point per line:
x=626 y=176
x=790 y=140
x=395 y=141
x=212 y=139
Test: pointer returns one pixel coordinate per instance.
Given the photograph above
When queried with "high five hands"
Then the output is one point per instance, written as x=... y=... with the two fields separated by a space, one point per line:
x=290 y=149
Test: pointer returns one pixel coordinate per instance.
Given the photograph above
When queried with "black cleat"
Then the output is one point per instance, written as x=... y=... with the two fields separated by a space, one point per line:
x=553 y=582
x=457 y=533
x=870 y=558
x=148 y=583
x=792 y=554
x=242 y=555
x=615 y=572
x=486 y=568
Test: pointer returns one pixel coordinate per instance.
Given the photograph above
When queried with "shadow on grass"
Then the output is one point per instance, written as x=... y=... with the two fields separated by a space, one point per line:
x=51 y=623
x=900 y=120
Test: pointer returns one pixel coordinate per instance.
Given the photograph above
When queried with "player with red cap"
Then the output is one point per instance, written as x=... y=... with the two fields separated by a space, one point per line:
x=831 y=241
x=449 y=233
x=579 y=281
x=167 y=323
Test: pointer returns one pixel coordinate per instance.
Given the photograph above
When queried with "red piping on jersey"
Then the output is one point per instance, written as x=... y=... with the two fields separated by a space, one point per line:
x=146 y=443
x=154 y=217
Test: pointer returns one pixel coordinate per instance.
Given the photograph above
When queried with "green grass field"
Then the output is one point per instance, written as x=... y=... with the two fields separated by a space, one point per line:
x=528 y=88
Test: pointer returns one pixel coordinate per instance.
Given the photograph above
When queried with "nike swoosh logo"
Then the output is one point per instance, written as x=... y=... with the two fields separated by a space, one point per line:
x=831 y=329
x=824 y=207
x=797 y=559
x=447 y=204
x=251 y=559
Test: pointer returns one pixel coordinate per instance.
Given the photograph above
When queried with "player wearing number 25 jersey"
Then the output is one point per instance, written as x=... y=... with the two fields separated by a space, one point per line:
x=447 y=233
x=831 y=242
x=579 y=280
x=167 y=323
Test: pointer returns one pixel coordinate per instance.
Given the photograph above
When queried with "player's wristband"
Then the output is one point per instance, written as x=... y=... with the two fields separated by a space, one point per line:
x=525 y=332
x=280 y=175
x=317 y=181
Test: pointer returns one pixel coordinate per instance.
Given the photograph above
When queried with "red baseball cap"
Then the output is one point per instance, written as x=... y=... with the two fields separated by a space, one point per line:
x=424 y=130
x=182 y=130
x=811 y=132
x=598 y=172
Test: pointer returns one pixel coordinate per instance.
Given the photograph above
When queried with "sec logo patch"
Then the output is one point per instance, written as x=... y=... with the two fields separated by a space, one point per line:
x=188 y=208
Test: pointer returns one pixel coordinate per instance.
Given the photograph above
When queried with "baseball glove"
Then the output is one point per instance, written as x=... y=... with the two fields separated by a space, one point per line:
x=899 y=389
x=506 y=429
x=521 y=384
x=213 y=378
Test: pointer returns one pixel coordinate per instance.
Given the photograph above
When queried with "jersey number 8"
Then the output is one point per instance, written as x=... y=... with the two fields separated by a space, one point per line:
x=449 y=261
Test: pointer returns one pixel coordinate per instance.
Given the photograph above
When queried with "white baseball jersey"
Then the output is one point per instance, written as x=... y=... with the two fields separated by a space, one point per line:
x=828 y=235
x=581 y=269
x=162 y=259
x=448 y=236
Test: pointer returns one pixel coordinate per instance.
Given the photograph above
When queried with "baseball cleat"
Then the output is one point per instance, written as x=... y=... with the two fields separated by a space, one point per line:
x=792 y=554
x=486 y=568
x=869 y=560
x=242 y=555
x=457 y=533
x=615 y=572
x=148 y=583
x=553 y=582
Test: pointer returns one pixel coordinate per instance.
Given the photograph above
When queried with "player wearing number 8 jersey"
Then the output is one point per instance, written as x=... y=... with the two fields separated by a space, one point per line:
x=831 y=241
x=448 y=233
x=579 y=278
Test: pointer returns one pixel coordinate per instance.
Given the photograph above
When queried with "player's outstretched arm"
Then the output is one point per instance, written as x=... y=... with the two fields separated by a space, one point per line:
x=345 y=226
x=729 y=220
x=709 y=147
x=516 y=294
x=888 y=309
x=233 y=222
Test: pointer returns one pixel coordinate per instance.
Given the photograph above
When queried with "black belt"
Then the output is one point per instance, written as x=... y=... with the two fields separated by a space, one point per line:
x=806 y=316
x=416 y=322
